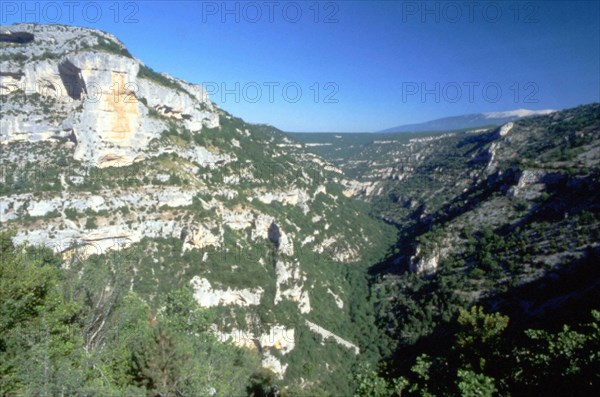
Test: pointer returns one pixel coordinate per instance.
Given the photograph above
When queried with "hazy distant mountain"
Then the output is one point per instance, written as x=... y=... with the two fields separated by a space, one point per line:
x=468 y=121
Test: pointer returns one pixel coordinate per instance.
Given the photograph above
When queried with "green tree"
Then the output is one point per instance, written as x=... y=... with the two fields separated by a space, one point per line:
x=421 y=369
x=564 y=362
x=40 y=343
x=369 y=383
x=479 y=336
x=471 y=384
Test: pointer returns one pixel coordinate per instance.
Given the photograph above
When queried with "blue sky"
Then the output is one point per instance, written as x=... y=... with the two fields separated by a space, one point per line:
x=356 y=65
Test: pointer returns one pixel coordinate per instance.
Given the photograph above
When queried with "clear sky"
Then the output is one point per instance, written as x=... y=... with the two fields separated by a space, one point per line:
x=355 y=65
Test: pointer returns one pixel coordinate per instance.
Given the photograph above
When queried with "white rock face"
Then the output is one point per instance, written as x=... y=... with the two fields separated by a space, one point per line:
x=424 y=264
x=279 y=337
x=295 y=197
x=206 y=296
x=334 y=249
x=72 y=238
x=338 y=301
x=530 y=177
x=190 y=104
x=491 y=155
x=274 y=364
x=330 y=335
x=356 y=188
x=169 y=196
x=238 y=220
x=532 y=183
x=113 y=126
x=505 y=129
x=201 y=238
x=263 y=224
x=98 y=97
x=290 y=285
x=83 y=243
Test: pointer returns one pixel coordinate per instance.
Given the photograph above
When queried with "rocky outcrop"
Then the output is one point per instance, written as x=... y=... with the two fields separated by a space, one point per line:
x=530 y=184
x=356 y=188
x=338 y=301
x=325 y=334
x=505 y=129
x=207 y=296
x=279 y=338
x=295 y=197
x=201 y=238
x=267 y=228
x=424 y=264
x=427 y=262
x=290 y=285
x=11 y=207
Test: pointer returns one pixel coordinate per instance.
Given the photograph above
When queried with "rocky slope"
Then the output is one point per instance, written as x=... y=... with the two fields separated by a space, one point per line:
x=477 y=179
x=482 y=213
x=112 y=164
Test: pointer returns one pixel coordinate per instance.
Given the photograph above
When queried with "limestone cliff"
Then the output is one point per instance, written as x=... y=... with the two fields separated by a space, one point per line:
x=115 y=166
x=100 y=96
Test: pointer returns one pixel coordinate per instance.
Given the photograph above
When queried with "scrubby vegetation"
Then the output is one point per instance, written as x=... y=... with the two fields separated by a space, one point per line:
x=65 y=335
x=110 y=47
x=149 y=73
x=483 y=356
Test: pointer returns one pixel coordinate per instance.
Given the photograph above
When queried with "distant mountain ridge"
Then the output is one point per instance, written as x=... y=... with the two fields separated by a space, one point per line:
x=469 y=121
